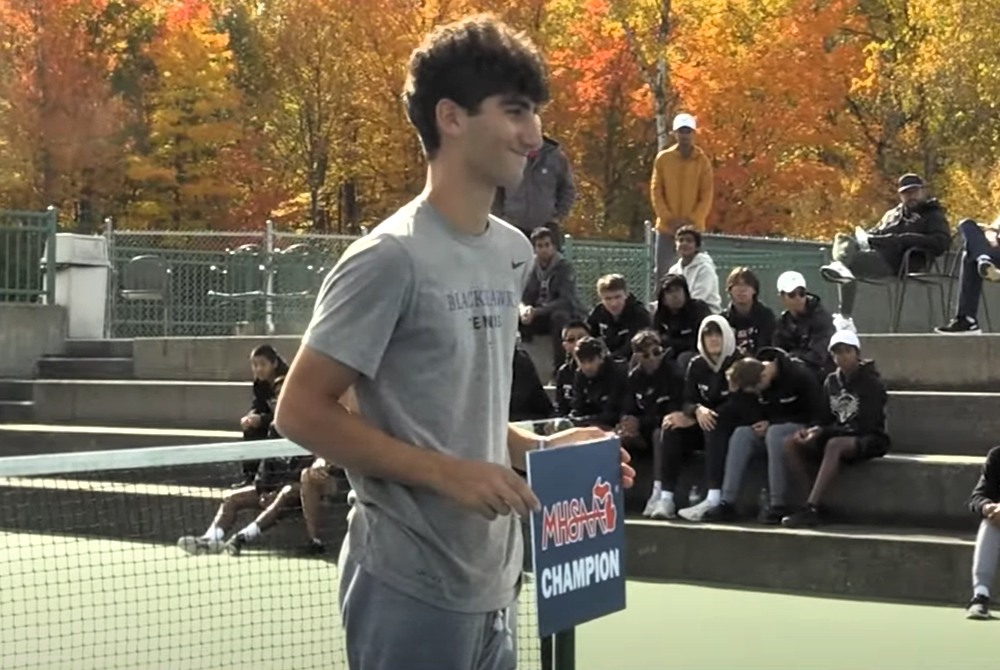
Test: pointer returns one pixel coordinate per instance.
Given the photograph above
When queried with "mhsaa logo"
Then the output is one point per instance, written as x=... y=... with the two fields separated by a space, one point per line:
x=571 y=521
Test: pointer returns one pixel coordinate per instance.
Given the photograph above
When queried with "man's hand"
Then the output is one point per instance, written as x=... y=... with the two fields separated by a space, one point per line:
x=807 y=434
x=706 y=418
x=629 y=426
x=676 y=420
x=527 y=314
x=991 y=512
x=317 y=472
x=251 y=420
x=760 y=428
x=489 y=489
x=587 y=434
x=991 y=237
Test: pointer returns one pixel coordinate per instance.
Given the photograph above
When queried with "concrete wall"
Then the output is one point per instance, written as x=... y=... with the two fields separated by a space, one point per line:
x=204 y=358
x=936 y=362
x=28 y=332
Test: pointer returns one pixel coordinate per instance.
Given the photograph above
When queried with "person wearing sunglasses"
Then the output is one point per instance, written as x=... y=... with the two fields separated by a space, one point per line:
x=572 y=332
x=805 y=327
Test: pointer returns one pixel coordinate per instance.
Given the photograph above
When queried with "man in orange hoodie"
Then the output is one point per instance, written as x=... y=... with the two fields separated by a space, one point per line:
x=681 y=190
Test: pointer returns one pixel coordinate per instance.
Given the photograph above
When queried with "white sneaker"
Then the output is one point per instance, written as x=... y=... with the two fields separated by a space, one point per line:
x=861 y=237
x=841 y=322
x=837 y=272
x=200 y=545
x=352 y=497
x=664 y=509
x=696 y=513
x=651 y=503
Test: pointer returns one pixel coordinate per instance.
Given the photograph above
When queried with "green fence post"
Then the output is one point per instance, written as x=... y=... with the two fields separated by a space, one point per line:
x=567 y=251
x=52 y=221
x=565 y=650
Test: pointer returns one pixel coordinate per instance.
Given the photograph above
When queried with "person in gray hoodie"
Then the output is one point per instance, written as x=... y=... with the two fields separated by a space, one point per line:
x=550 y=300
x=697 y=267
x=545 y=195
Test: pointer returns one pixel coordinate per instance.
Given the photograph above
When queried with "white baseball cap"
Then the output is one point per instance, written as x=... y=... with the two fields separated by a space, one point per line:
x=684 y=121
x=791 y=280
x=845 y=337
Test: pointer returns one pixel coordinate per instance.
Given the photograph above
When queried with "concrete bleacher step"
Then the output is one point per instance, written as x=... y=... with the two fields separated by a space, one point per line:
x=895 y=563
x=16 y=390
x=60 y=367
x=84 y=348
x=30 y=439
x=16 y=411
x=932 y=362
x=960 y=423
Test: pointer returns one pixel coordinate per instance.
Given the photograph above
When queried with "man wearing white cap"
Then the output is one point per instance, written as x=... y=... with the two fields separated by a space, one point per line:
x=681 y=190
x=804 y=328
x=852 y=430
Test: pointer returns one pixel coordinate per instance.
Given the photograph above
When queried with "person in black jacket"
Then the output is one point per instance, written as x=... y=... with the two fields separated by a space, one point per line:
x=985 y=504
x=980 y=260
x=618 y=317
x=791 y=400
x=566 y=374
x=599 y=386
x=677 y=319
x=753 y=322
x=805 y=328
x=528 y=400
x=852 y=430
x=269 y=370
x=917 y=222
x=706 y=388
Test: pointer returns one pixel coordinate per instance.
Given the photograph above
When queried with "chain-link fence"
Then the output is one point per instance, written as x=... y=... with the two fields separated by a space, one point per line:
x=27 y=256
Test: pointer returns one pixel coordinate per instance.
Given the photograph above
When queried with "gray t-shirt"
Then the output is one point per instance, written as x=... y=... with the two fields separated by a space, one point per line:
x=428 y=318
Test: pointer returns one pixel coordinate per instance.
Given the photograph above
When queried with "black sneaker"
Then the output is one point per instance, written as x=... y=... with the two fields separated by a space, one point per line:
x=960 y=325
x=979 y=608
x=807 y=517
x=235 y=545
x=772 y=516
x=315 y=547
x=721 y=513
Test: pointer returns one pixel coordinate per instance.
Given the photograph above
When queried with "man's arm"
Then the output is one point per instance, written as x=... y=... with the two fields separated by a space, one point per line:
x=706 y=193
x=657 y=193
x=987 y=490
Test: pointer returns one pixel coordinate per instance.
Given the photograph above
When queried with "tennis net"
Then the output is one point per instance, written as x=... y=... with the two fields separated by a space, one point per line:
x=94 y=573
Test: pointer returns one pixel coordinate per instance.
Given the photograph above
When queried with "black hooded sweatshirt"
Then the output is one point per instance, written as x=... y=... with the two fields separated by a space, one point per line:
x=265 y=398
x=679 y=330
x=617 y=333
x=807 y=336
x=599 y=400
x=753 y=331
x=923 y=226
x=854 y=404
x=795 y=395
x=564 y=381
x=652 y=396
x=987 y=491
x=528 y=401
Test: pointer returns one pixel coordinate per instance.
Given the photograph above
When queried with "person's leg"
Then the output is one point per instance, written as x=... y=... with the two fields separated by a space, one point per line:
x=796 y=466
x=386 y=629
x=314 y=484
x=225 y=518
x=836 y=450
x=777 y=482
x=274 y=504
x=975 y=247
x=658 y=459
x=741 y=447
x=664 y=256
x=984 y=568
x=716 y=449
x=868 y=264
x=676 y=445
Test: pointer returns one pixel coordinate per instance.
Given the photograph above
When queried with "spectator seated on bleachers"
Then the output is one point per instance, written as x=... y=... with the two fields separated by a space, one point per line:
x=792 y=400
x=550 y=299
x=752 y=321
x=269 y=370
x=697 y=267
x=277 y=488
x=980 y=260
x=528 y=400
x=677 y=319
x=565 y=377
x=706 y=388
x=852 y=430
x=599 y=387
x=917 y=222
x=985 y=504
x=618 y=317
x=653 y=391
x=805 y=328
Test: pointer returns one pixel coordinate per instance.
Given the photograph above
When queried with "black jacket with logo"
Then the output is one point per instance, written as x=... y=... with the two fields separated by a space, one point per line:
x=795 y=395
x=854 y=404
x=807 y=336
x=705 y=386
x=564 y=381
x=987 y=491
x=599 y=400
x=617 y=333
x=651 y=396
x=753 y=331
x=923 y=226
x=679 y=330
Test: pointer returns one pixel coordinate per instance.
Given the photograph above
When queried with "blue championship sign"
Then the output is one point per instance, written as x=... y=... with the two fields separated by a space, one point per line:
x=578 y=539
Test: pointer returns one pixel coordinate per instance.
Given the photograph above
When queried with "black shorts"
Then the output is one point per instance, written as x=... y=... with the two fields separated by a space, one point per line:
x=869 y=446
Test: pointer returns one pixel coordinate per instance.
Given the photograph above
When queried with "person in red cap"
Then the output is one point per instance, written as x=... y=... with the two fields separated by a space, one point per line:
x=917 y=222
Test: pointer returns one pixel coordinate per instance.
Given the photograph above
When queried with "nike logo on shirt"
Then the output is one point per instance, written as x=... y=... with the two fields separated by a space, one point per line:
x=514 y=266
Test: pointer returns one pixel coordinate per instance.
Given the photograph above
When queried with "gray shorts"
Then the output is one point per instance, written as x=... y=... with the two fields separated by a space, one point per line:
x=388 y=630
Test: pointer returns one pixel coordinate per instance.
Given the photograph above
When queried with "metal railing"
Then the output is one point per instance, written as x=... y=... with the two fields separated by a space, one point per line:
x=27 y=256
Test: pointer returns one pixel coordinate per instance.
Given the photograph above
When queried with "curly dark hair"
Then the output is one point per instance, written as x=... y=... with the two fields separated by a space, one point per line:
x=468 y=61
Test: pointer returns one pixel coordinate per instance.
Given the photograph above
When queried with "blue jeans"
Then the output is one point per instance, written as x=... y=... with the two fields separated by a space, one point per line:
x=969 y=280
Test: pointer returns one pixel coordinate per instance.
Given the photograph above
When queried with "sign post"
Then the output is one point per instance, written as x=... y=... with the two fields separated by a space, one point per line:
x=578 y=537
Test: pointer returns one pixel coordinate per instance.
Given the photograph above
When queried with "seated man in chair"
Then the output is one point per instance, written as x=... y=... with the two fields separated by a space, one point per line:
x=980 y=260
x=917 y=222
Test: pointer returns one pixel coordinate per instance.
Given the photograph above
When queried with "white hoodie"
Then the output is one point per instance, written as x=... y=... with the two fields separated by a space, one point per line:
x=702 y=279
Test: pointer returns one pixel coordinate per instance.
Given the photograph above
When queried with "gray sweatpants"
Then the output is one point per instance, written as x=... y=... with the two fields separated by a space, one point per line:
x=388 y=630
x=984 y=561
x=664 y=256
x=742 y=446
